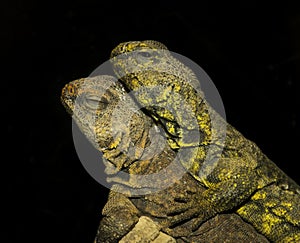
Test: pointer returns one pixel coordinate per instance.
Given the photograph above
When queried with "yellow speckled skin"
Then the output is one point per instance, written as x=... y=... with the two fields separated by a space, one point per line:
x=91 y=102
x=244 y=179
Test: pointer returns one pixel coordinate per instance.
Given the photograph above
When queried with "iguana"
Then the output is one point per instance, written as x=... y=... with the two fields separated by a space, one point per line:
x=92 y=102
x=242 y=178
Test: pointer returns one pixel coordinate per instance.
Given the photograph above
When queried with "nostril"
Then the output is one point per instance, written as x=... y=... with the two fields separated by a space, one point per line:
x=71 y=90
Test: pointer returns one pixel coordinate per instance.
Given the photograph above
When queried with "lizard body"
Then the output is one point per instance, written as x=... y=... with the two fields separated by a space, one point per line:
x=91 y=102
x=243 y=179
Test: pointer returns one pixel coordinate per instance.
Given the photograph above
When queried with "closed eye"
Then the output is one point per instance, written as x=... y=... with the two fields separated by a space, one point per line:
x=144 y=54
x=94 y=102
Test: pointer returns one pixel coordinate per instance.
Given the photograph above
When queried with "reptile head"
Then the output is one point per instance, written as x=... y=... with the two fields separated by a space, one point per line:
x=88 y=94
x=91 y=102
x=136 y=57
x=107 y=117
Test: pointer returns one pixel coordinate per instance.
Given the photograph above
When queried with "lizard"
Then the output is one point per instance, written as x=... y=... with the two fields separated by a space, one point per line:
x=241 y=178
x=91 y=102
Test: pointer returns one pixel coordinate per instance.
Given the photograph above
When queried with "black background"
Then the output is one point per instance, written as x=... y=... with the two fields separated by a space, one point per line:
x=249 y=49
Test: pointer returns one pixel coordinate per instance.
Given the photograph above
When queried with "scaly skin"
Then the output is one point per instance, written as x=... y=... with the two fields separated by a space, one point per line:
x=92 y=102
x=98 y=107
x=243 y=178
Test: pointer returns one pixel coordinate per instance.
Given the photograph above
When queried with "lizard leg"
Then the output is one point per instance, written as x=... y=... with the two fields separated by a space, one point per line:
x=119 y=217
x=228 y=187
